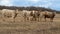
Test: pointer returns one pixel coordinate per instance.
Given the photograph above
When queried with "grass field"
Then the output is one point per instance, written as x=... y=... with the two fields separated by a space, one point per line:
x=30 y=27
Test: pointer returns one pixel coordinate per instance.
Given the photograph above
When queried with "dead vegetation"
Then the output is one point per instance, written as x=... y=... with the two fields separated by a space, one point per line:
x=29 y=27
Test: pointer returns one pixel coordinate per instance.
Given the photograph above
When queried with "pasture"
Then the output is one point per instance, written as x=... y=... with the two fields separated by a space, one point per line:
x=29 y=27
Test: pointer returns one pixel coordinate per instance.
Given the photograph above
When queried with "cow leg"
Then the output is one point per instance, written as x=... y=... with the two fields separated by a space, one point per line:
x=45 y=19
x=32 y=19
x=15 y=15
x=24 y=19
x=38 y=18
x=51 y=19
x=13 y=18
x=35 y=19
x=27 y=18
x=3 y=17
x=41 y=18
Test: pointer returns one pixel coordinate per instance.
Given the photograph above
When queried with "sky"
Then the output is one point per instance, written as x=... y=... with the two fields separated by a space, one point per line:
x=53 y=4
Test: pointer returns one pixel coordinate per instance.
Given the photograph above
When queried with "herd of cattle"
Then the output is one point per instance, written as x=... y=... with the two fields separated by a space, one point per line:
x=28 y=15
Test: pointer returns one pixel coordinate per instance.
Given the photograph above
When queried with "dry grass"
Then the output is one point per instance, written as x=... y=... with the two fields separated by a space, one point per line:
x=29 y=27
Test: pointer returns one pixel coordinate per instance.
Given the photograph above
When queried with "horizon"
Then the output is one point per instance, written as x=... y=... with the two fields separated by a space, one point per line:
x=52 y=4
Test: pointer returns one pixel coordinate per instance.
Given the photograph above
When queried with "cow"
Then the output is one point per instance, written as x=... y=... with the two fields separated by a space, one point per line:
x=28 y=15
x=9 y=13
x=47 y=14
x=36 y=15
x=31 y=15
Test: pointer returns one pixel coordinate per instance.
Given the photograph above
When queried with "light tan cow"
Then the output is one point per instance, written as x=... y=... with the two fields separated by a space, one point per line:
x=26 y=15
x=9 y=13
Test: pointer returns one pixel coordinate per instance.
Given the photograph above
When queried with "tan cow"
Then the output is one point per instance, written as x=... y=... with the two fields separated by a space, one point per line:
x=9 y=13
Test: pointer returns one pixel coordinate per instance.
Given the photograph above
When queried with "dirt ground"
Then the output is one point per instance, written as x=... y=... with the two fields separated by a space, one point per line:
x=29 y=27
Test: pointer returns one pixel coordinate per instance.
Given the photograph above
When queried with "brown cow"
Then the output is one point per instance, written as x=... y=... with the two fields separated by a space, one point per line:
x=47 y=14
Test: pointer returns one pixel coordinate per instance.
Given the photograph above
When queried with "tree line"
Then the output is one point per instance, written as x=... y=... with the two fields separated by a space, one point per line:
x=28 y=8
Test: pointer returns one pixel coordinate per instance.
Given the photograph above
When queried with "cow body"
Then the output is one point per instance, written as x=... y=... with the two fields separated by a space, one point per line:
x=9 y=13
